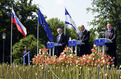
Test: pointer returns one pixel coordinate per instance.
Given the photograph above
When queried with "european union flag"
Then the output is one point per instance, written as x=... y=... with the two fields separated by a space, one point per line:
x=42 y=21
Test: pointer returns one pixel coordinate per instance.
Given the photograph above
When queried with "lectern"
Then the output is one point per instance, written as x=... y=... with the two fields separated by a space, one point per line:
x=102 y=42
x=74 y=43
x=52 y=45
x=27 y=54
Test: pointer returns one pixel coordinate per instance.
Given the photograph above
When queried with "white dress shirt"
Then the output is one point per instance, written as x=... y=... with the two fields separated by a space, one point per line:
x=58 y=38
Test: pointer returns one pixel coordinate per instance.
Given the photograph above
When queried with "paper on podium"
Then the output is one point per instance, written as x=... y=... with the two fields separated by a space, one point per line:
x=56 y=44
x=107 y=40
x=79 y=42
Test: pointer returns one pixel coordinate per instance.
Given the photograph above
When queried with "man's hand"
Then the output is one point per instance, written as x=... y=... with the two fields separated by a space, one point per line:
x=109 y=39
x=80 y=40
x=60 y=44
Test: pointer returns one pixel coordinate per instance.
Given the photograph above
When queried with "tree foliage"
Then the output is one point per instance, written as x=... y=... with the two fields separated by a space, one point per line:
x=5 y=22
x=24 y=10
x=18 y=48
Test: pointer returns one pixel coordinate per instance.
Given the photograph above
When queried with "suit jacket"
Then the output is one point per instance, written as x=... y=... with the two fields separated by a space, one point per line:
x=84 y=37
x=84 y=49
x=112 y=37
x=63 y=40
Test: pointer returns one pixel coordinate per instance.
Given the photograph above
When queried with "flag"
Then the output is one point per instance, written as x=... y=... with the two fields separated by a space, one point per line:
x=19 y=25
x=69 y=21
x=42 y=21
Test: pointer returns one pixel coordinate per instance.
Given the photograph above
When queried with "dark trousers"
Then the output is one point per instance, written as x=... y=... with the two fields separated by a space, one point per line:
x=26 y=60
x=59 y=50
x=112 y=53
x=83 y=49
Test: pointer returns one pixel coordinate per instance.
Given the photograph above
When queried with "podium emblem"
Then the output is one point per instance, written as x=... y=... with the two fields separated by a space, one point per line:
x=50 y=45
x=72 y=43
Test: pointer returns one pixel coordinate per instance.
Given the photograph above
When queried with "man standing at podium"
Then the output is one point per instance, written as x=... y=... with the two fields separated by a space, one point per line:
x=61 y=40
x=26 y=57
x=84 y=37
x=111 y=47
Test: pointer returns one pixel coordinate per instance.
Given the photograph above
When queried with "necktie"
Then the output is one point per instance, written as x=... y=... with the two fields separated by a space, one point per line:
x=108 y=33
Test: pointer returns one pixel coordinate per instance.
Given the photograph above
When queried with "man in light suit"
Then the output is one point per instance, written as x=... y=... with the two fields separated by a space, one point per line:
x=111 y=47
x=61 y=40
x=84 y=37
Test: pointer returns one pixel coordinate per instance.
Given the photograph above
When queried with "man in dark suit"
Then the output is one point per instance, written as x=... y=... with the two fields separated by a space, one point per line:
x=111 y=47
x=61 y=40
x=84 y=37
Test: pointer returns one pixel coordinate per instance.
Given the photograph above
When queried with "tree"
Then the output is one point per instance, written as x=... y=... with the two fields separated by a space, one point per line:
x=92 y=37
x=31 y=42
x=5 y=22
x=108 y=11
x=24 y=10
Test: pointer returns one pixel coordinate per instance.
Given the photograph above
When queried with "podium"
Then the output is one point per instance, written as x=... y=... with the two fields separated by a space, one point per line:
x=74 y=43
x=102 y=42
x=52 y=45
x=28 y=53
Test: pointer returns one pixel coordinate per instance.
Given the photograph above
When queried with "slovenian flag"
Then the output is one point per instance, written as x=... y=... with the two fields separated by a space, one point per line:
x=19 y=25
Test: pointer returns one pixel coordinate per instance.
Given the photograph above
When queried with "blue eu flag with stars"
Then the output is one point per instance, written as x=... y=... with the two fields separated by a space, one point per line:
x=42 y=21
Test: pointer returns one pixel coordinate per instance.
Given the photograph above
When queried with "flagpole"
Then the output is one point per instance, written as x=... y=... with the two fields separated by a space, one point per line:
x=65 y=29
x=37 y=36
x=11 y=40
x=65 y=26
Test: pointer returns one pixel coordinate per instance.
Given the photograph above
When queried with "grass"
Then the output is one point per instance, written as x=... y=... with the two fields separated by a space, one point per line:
x=53 y=72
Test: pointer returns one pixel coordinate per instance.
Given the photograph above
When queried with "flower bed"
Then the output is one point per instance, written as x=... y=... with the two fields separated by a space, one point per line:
x=67 y=58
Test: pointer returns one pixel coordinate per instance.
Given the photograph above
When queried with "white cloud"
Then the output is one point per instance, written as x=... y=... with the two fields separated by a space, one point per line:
x=59 y=2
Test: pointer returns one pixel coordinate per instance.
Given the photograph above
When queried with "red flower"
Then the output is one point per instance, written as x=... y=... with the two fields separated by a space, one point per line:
x=95 y=46
x=101 y=52
x=93 y=50
x=73 y=63
x=109 y=63
x=45 y=50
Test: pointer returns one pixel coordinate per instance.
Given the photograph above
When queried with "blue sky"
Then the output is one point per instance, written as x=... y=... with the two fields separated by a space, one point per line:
x=76 y=8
